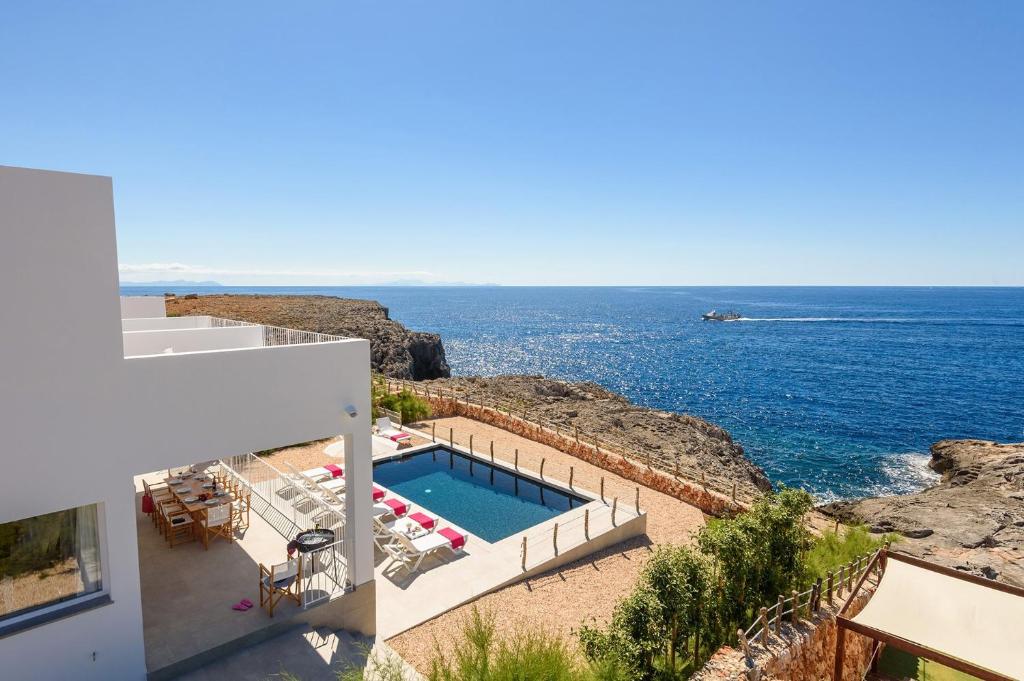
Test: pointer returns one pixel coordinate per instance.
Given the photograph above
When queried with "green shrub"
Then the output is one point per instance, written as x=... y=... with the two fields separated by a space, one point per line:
x=832 y=550
x=411 y=407
x=527 y=655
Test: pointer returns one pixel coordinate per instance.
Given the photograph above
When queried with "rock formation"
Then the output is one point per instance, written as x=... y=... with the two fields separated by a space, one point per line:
x=670 y=439
x=394 y=350
x=973 y=519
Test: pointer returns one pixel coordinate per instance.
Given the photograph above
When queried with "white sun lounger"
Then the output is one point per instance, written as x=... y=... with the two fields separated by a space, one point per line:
x=384 y=429
x=409 y=553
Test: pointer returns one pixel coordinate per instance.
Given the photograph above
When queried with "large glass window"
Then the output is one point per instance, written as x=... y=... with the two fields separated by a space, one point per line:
x=48 y=559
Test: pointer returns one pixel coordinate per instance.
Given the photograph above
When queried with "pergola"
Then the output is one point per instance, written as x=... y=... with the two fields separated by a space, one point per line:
x=968 y=623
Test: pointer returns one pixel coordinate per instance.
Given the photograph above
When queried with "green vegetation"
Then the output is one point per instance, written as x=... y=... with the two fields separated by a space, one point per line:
x=35 y=544
x=688 y=602
x=411 y=407
x=524 y=656
x=901 y=665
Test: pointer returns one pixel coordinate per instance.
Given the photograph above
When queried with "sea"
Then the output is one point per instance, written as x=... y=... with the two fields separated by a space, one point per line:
x=840 y=391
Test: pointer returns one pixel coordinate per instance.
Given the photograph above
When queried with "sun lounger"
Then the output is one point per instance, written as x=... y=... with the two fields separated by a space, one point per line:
x=337 y=485
x=409 y=553
x=321 y=473
x=386 y=430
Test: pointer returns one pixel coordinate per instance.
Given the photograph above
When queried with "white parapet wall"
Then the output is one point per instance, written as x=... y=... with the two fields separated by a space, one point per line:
x=142 y=306
x=161 y=323
x=138 y=343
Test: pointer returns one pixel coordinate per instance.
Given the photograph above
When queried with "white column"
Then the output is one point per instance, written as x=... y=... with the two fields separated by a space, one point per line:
x=358 y=505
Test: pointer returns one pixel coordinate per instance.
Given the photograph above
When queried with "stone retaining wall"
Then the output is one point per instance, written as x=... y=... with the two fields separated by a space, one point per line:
x=707 y=500
x=806 y=652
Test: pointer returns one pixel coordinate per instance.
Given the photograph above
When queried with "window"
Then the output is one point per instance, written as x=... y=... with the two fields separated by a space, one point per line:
x=48 y=559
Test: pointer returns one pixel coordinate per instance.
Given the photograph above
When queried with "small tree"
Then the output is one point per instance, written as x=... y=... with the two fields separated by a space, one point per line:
x=411 y=407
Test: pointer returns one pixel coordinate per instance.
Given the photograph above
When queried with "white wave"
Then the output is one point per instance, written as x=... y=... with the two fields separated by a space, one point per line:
x=878 y=320
x=905 y=473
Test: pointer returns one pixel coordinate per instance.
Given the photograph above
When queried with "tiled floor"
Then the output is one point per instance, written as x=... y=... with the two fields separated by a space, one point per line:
x=187 y=593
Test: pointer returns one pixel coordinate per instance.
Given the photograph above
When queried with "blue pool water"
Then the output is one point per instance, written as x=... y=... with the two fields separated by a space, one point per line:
x=488 y=502
x=839 y=390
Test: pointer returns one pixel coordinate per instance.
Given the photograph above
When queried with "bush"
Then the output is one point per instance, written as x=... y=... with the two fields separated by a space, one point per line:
x=832 y=550
x=411 y=407
x=528 y=655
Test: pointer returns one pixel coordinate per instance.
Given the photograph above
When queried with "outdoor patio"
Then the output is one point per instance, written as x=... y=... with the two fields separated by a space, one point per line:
x=188 y=592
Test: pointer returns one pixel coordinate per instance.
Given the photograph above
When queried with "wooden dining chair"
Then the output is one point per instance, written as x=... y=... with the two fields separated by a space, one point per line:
x=156 y=494
x=241 y=502
x=217 y=521
x=178 y=523
x=281 y=581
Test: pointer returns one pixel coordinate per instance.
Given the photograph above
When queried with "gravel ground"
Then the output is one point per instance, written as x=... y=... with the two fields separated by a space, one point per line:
x=559 y=600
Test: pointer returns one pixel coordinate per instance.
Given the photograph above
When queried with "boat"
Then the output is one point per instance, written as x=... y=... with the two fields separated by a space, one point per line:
x=715 y=316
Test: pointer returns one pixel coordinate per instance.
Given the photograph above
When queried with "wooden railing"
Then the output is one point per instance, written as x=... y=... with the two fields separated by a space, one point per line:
x=837 y=584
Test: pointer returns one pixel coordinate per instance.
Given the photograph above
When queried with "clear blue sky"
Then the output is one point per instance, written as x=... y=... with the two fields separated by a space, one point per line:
x=535 y=142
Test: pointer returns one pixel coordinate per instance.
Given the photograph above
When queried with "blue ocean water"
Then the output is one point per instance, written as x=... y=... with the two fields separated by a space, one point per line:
x=838 y=390
x=486 y=501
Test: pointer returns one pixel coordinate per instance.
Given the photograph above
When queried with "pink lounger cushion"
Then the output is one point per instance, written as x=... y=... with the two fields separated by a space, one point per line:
x=397 y=506
x=335 y=470
x=457 y=540
x=400 y=436
x=378 y=493
x=423 y=520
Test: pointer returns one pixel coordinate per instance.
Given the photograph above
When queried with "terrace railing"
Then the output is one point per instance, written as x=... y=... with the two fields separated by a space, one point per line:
x=679 y=469
x=326 y=573
x=279 y=335
x=290 y=508
x=540 y=546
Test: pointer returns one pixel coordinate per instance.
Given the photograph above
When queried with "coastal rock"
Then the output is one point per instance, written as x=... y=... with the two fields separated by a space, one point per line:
x=973 y=519
x=395 y=351
x=673 y=441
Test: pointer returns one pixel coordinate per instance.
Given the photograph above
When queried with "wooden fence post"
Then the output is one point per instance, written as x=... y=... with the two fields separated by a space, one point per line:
x=602 y=488
x=615 y=506
x=586 y=523
x=517 y=460
x=554 y=539
x=741 y=635
x=830 y=578
x=433 y=426
x=841 y=582
x=795 y=616
x=471 y=443
x=817 y=596
x=763 y=612
x=451 y=436
x=542 y=468
x=638 y=501
x=571 y=471
x=524 y=553
x=734 y=492
x=778 y=615
x=492 y=451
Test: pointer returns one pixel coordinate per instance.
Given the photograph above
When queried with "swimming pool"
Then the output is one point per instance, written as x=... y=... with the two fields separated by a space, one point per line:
x=485 y=500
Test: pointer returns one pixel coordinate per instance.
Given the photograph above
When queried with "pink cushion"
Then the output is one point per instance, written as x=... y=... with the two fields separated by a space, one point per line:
x=378 y=493
x=400 y=436
x=457 y=540
x=397 y=506
x=335 y=470
x=423 y=520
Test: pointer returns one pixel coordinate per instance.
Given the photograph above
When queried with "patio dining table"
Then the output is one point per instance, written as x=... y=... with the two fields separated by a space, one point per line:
x=193 y=487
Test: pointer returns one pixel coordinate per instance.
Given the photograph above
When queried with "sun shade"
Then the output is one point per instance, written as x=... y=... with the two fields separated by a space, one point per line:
x=973 y=623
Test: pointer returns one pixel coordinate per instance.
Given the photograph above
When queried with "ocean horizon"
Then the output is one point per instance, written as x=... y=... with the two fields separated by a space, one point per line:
x=840 y=390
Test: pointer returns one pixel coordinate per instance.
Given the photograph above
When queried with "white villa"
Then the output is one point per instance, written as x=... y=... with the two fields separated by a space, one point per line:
x=87 y=406
x=138 y=524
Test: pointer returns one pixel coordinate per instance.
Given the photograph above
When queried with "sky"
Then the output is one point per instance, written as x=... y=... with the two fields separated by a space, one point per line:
x=535 y=143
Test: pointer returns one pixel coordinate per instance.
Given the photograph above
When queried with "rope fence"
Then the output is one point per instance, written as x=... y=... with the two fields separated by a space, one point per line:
x=684 y=473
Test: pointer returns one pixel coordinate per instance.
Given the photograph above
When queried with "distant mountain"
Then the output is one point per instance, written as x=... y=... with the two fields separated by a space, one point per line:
x=171 y=282
x=420 y=282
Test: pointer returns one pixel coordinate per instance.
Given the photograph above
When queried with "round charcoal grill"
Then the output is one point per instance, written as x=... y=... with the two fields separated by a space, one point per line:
x=311 y=540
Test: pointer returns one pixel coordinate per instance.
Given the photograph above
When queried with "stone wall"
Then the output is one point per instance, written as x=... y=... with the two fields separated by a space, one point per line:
x=805 y=652
x=707 y=500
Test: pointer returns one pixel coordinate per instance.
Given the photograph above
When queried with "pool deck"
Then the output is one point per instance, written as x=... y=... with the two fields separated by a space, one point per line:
x=406 y=599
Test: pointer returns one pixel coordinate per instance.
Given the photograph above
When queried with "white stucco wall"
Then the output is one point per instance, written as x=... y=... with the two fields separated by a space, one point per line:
x=158 y=323
x=192 y=340
x=79 y=420
x=142 y=306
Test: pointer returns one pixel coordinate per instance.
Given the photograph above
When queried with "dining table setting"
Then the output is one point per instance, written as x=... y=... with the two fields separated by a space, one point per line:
x=195 y=491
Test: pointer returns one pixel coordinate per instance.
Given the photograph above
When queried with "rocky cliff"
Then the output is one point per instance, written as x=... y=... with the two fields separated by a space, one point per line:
x=972 y=520
x=394 y=350
x=671 y=439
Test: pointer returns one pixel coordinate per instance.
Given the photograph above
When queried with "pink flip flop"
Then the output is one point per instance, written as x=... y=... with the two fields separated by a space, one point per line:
x=246 y=602
x=239 y=606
